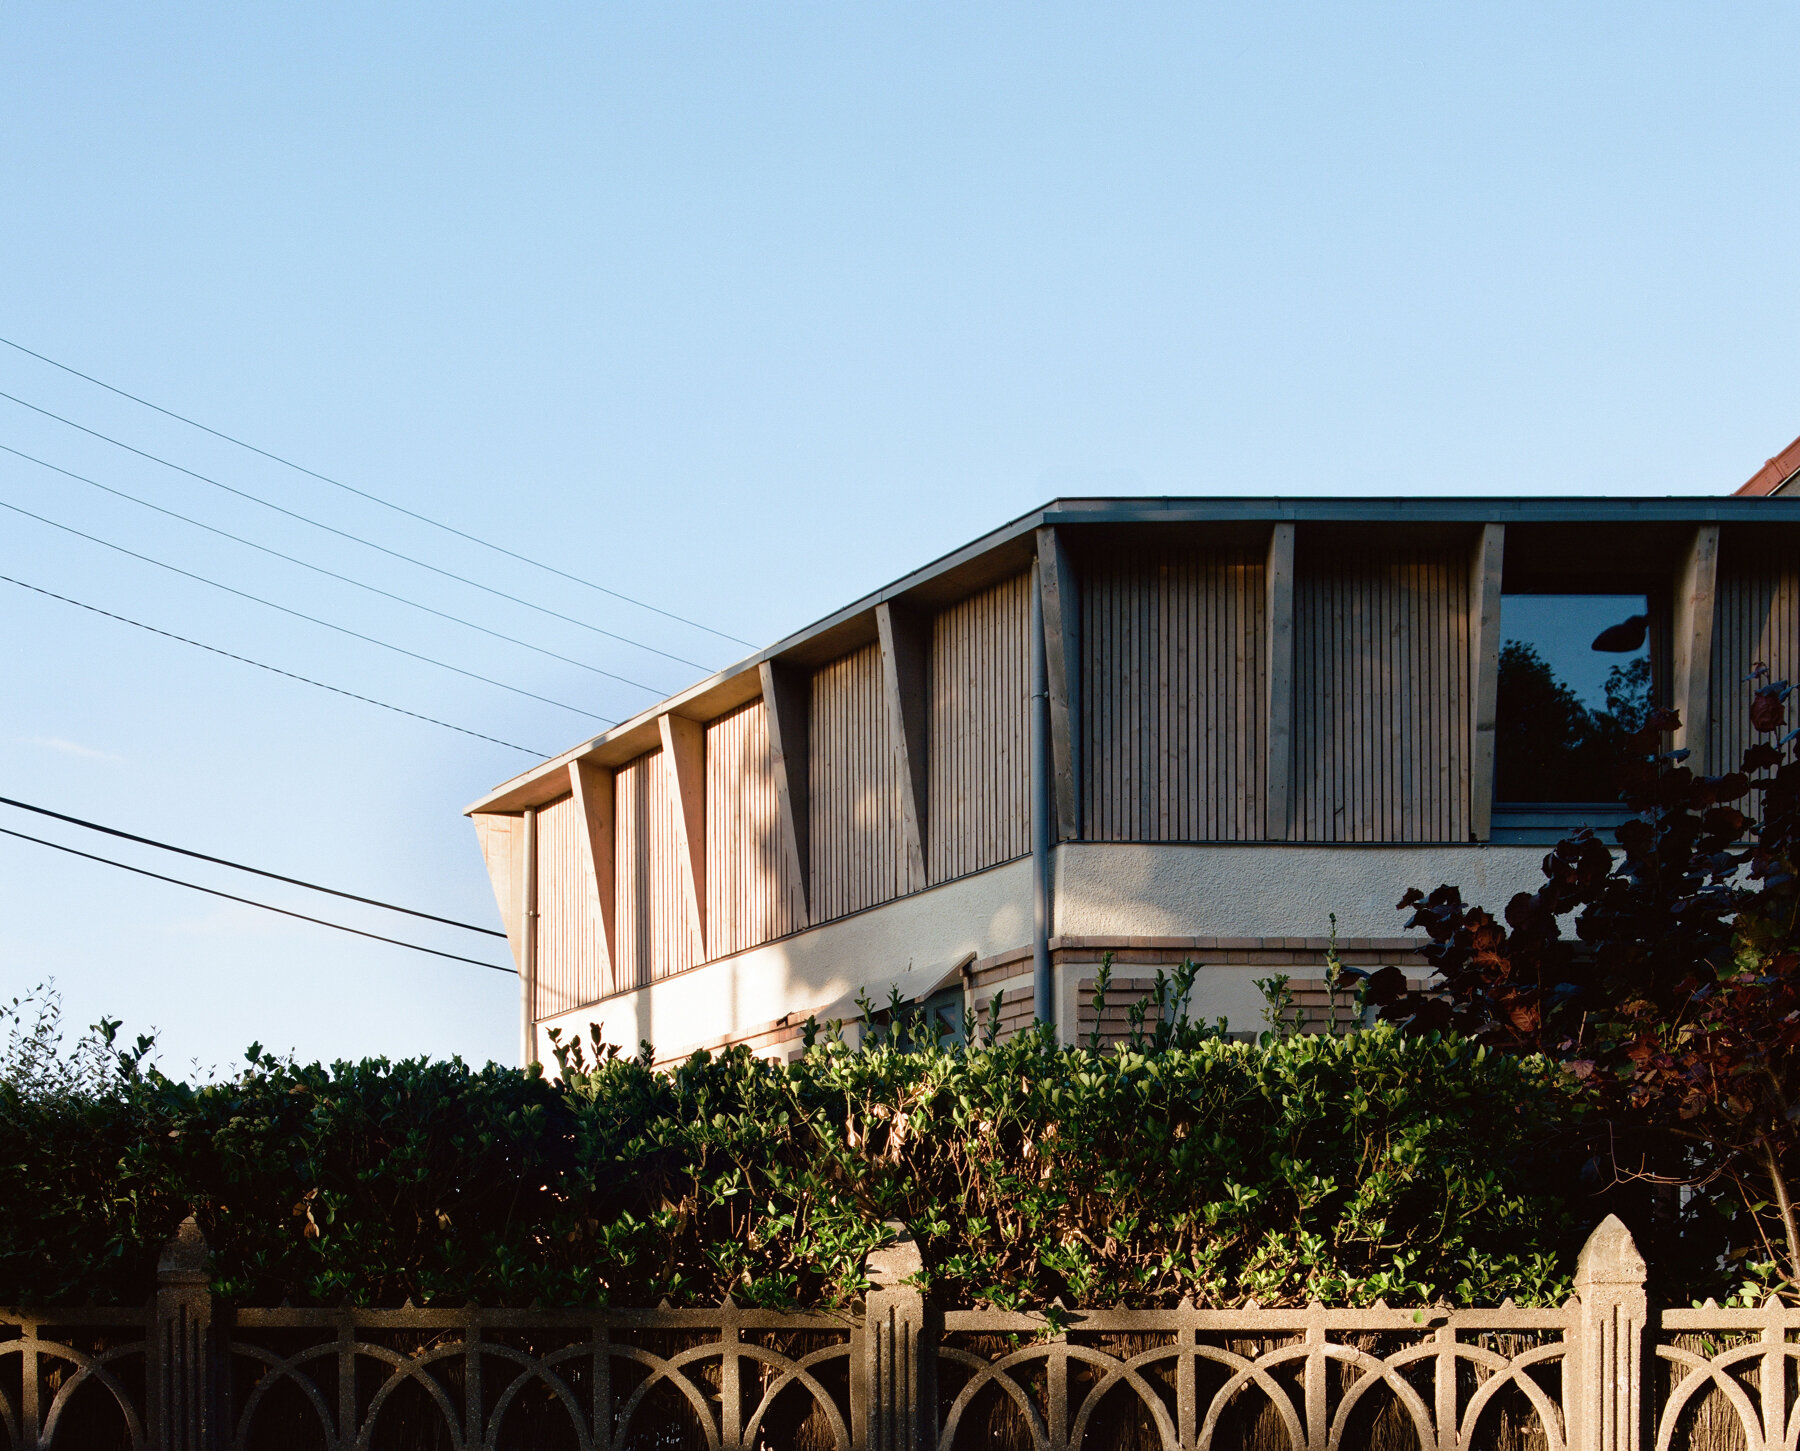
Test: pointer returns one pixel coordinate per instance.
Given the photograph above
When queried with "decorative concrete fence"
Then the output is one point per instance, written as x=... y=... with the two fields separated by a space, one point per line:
x=1601 y=1373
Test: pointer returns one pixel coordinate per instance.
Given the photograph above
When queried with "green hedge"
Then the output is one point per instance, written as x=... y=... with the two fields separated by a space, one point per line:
x=1343 y=1169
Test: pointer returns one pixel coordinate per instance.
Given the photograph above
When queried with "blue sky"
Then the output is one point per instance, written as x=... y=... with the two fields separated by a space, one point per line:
x=743 y=310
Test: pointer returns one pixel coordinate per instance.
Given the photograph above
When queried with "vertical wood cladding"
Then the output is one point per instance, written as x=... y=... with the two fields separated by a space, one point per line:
x=1172 y=695
x=1381 y=670
x=1756 y=616
x=650 y=921
x=748 y=887
x=980 y=722
x=858 y=854
x=572 y=968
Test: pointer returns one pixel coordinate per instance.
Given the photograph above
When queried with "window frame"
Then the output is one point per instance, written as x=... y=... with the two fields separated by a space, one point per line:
x=1541 y=823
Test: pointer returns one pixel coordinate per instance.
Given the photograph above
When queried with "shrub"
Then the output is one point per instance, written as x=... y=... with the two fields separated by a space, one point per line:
x=1346 y=1169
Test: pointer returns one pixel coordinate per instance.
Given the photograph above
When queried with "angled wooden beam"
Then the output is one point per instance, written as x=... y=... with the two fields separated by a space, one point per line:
x=1693 y=631
x=1487 y=571
x=787 y=702
x=684 y=754
x=593 y=788
x=905 y=679
x=502 y=838
x=1278 y=684
x=1062 y=644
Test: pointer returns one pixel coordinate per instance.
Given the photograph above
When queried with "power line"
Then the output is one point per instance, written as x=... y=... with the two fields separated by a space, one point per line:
x=272 y=669
x=372 y=498
x=354 y=538
x=251 y=902
x=220 y=861
x=300 y=615
x=329 y=573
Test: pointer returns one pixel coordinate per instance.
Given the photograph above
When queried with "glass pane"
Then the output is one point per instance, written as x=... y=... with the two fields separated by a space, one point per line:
x=944 y=1012
x=1575 y=680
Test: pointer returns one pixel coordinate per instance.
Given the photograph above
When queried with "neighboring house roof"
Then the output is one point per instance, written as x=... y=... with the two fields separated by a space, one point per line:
x=1780 y=475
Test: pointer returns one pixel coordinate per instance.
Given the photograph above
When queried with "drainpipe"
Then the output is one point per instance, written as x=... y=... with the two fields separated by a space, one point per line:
x=1043 y=991
x=528 y=944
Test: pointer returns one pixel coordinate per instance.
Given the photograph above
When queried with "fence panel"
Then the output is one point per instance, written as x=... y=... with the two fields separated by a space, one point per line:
x=1305 y=1378
x=1599 y=1373
x=75 y=1378
x=477 y=1378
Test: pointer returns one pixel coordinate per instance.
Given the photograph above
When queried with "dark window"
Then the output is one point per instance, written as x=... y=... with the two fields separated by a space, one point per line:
x=1577 y=676
x=943 y=1011
x=935 y=1021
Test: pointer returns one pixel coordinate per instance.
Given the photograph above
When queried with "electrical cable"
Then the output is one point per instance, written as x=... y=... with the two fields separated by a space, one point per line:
x=252 y=902
x=300 y=615
x=330 y=573
x=220 y=861
x=354 y=538
x=274 y=669
x=372 y=498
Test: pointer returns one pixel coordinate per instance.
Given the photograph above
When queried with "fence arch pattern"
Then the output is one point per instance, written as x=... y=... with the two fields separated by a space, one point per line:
x=1733 y=1342
x=598 y=1373
x=51 y=1371
x=1602 y=1372
x=1311 y=1367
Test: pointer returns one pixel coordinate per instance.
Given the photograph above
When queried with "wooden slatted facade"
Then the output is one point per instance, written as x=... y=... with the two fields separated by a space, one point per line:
x=749 y=885
x=858 y=852
x=1172 y=695
x=572 y=965
x=655 y=935
x=1756 y=617
x=979 y=753
x=890 y=750
x=1381 y=680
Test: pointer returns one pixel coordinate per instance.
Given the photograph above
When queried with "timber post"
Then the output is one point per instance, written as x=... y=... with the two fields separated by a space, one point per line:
x=183 y=1372
x=1604 y=1386
x=894 y=1389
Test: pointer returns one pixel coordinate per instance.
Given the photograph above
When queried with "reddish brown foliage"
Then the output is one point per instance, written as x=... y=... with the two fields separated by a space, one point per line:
x=1676 y=1002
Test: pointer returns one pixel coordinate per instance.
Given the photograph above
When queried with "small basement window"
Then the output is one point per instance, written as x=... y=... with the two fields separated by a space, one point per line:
x=936 y=1020
x=1577 y=676
x=944 y=1012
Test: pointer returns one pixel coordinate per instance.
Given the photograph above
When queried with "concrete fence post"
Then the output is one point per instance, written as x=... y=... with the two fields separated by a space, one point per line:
x=1604 y=1386
x=894 y=1392
x=183 y=1371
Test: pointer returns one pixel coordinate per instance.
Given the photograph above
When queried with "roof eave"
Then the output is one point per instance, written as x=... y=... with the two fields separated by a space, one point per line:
x=638 y=734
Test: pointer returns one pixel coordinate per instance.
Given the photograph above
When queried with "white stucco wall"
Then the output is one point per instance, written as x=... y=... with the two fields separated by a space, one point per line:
x=1117 y=889
x=909 y=943
x=1134 y=890
x=1102 y=890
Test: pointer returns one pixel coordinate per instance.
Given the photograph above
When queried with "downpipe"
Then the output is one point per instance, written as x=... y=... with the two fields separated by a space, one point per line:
x=1042 y=988
x=528 y=943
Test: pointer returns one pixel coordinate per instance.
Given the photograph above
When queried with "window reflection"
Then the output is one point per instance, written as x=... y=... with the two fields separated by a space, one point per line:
x=1575 y=680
